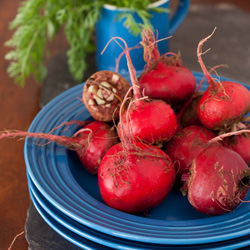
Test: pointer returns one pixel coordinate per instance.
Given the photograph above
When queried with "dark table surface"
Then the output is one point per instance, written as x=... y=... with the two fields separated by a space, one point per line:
x=19 y=106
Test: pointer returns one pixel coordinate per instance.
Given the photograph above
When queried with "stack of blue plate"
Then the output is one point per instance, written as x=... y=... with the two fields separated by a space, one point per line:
x=68 y=199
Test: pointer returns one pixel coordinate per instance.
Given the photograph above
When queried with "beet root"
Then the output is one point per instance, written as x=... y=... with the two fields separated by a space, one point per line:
x=135 y=180
x=172 y=83
x=238 y=141
x=149 y=121
x=90 y=142
x=224 y=103
x=221 y=108
x=97 y=137
x=189 y=115
x=164 y=76
x=239 y=144
x=186 y=145
x=103 y=94
x=219 y=180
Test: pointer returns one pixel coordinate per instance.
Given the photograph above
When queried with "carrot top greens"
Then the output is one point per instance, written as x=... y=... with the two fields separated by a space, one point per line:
x=38 y=21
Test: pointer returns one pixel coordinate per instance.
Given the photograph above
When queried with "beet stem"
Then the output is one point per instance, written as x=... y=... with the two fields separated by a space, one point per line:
x=14 y=239
x=149 y=43
x=187 y=103
x=200 y=53
x=131 y=68
x=151 y=52
x=126 y=141
x=120 y=56
x=221 y=137
x=68 y=142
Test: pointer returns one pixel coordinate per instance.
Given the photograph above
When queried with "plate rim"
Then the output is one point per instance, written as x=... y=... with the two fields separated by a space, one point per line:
x=119 y=234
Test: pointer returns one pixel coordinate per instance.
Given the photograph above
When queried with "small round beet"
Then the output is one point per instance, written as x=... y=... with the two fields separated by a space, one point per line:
x=224 y=103
x=186 y=145
x=103 y=94
x=97 y=137
x=219 y=180
x=150 y=121
x=164 y=76
x=90 y=142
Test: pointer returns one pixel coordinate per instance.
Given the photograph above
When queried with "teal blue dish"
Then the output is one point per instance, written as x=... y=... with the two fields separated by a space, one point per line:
x=58 y=175
x=87 y=238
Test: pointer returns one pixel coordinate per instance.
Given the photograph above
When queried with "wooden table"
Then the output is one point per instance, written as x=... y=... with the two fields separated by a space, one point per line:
x=18 y=108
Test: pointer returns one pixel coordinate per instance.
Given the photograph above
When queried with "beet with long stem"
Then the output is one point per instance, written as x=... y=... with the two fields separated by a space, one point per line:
x=90 y=142
x=164 y=76
x=134 y=176
x=147 y=120
x=224 y=103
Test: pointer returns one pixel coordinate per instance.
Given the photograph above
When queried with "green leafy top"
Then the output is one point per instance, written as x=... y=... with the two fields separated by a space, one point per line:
x=39 y=20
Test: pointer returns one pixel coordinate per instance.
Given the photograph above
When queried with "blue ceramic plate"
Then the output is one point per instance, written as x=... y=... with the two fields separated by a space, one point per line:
x=88 y=238
x=63 y=182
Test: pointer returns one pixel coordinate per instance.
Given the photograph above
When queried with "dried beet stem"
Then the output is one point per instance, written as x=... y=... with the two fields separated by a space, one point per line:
x=200 y=53
x=131 y=68
x=68 y=142
x=222 y=136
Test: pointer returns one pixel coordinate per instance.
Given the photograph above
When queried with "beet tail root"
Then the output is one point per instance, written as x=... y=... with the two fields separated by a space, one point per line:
x=68 y=142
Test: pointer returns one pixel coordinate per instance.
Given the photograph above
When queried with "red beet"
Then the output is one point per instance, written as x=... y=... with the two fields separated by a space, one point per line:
x=186 y=145
x=102 y=137
x=151 y=121
x=91 y=142
x=133 y=176
x=103 y=94
x=219 y=180
x=223 y=103
x=147 y=120
x=239 y=144
x=165 y=77
x=135 y=179
x=188 y=116
x=238 y=141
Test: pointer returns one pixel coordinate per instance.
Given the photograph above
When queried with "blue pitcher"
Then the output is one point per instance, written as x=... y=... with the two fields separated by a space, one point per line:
x=108 y=26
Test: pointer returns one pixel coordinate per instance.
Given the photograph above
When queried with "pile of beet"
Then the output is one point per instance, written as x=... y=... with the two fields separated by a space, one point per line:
x=162 y=132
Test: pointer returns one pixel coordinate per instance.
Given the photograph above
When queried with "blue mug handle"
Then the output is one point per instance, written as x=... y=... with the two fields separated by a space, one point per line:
x=179 y=16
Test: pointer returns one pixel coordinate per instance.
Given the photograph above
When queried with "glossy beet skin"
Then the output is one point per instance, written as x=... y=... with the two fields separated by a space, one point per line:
x=90 y=142
x=96 y=144
x=223 y=104
x=145 y=119
x=137 y=179
x=172 y=83
x=149 y=121
x=219 y=180
x=239 y=144
x=186 y=145
x=188 y=114
x=164 y=76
